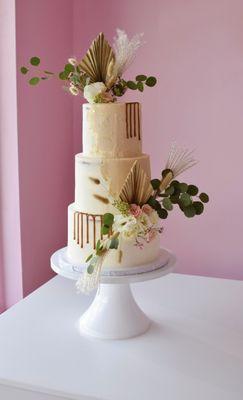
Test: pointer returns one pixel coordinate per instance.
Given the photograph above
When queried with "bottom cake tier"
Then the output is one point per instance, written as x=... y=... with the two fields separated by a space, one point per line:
x=85 y=229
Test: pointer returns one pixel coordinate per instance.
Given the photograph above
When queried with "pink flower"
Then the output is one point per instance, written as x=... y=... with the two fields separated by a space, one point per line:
x=135 y=210
x=147 y=209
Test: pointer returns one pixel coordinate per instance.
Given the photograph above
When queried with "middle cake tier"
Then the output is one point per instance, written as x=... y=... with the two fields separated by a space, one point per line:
x=97 y=180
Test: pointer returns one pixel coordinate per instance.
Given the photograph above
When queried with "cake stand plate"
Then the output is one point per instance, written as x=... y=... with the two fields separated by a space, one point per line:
x=114 y=313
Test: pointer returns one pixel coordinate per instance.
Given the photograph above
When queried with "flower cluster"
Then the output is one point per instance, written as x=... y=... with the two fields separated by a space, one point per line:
x=98 y=76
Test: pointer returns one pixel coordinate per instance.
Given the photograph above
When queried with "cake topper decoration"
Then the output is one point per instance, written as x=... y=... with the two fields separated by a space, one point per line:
x=99 y=74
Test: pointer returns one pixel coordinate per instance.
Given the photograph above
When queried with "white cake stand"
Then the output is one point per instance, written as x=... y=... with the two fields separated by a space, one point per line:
x=114 y=313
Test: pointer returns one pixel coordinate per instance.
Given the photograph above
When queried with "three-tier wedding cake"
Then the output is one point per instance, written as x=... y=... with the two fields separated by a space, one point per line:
x=113 y=224
x=112 y=145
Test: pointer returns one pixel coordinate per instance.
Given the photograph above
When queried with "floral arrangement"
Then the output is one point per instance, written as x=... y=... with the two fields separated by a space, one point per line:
x=99 y=75
x=140 y=205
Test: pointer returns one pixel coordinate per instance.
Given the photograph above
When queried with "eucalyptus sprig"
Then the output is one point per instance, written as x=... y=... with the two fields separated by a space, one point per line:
x=186 y=196
x=38 y=74
x=139 y=83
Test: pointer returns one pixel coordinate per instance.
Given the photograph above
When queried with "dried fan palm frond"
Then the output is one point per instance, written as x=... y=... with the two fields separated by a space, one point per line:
x=179 y=160
x=137 y=187
x=97 y=59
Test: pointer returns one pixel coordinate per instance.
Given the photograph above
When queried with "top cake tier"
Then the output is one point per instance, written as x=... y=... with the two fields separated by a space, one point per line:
x=112 y=130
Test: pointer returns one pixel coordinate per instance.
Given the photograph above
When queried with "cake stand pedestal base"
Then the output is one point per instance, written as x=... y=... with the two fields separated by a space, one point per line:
x=114 y=314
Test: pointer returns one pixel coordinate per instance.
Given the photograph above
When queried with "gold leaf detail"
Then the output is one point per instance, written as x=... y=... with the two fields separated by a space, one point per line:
x=137 y=187
x=94 y=180
x=97 y=60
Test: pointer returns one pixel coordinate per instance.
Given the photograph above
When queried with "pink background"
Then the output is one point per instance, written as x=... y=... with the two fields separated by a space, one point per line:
x=195 y=48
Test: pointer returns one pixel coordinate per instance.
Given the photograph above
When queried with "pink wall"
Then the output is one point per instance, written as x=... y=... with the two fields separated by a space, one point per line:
x=195 y=48
x=11 y=289
x=44 y=28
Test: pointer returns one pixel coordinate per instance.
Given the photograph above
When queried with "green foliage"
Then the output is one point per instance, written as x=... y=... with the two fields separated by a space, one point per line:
x=151 y=81
x=140 y=86
x=185 y=199
x=204 y=197
x=199 y=207
x=192 y=190
x=141 y=78
x=190 y=211
x=90 y=269
x=108 y=220
x=35 y=61
x=34 y=81
x=63 y=75
x=89 y=258
x=69 y=68
x=114 y=243
x=162 y=213
x=155 y=183
x=183 y=187
x=165 y=172
x=49 y=73
x=24 y=70
x=167 y=204
x=132 y=85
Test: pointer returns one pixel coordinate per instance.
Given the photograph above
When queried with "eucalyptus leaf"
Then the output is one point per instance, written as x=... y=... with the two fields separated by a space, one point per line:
x=185 y=199
x=105 y=229
x=169 y=191
x=151 y=81
x=34 y=81
x=114 y=243
x=131 y=85
x=192 y=190
x=69 y=68
x=155 y=183
x=167 y=204
x=183 y=187
x=35 y=61
x=189 y=211
x=24 y=70
x=162 y=213
x=108 y=219
x=90 y=269
x=140 y=86
x=63 y=75
x=89 y=258
x=141 y=78
x=199 y=207
x=204 y=197
x=165 y=172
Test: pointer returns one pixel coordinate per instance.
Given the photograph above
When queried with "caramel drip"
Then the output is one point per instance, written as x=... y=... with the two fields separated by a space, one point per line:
x=78 y=233
x=94 y=231
x=101 y=223
x=82 y=230
x=87 y=228
x=133 y=125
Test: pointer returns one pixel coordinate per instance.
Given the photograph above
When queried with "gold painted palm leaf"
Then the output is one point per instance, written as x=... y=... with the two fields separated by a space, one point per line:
x=137 y=187
x=97 y=59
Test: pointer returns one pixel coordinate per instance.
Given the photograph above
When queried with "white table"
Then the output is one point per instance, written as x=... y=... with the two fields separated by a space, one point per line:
x=193 y=351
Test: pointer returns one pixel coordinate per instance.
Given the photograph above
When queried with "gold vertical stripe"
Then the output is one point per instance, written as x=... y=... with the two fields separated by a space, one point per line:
x=78 y=228
x=130 y=119
x=135 y=119
x=139 y=123
x=127 y=121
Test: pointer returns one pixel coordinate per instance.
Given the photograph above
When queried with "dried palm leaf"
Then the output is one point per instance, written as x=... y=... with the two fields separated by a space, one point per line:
x=97 y=59
x=137 y=187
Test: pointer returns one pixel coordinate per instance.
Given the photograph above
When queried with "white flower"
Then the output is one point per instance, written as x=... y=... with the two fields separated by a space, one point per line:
x=93 y=90
x=74 y=90
x=154 y=217
x=72 y=61
x=127 y=226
